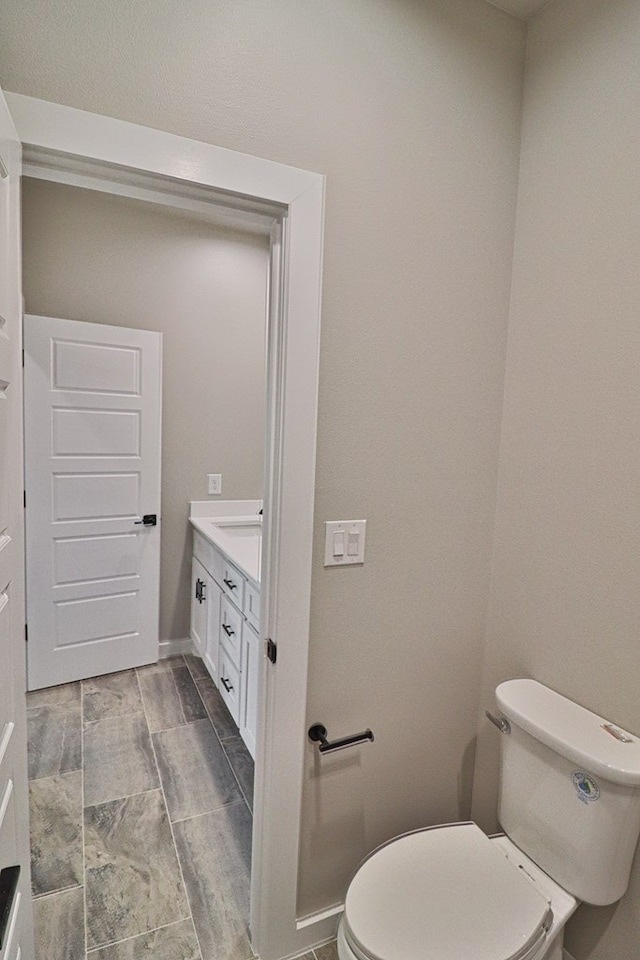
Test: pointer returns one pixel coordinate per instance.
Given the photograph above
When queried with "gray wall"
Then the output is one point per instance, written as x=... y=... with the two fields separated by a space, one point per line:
x=565 y=603
x=106 y=259
x=412 y=109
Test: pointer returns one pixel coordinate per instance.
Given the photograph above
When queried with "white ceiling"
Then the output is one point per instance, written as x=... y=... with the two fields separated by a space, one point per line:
x=521 y=8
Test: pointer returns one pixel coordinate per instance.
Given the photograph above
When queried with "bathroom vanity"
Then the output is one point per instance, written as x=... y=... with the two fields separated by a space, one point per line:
x=225 y=602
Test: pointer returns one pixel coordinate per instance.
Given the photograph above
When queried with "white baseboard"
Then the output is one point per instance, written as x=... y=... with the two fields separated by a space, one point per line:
x=335 y=911
x=173 y=648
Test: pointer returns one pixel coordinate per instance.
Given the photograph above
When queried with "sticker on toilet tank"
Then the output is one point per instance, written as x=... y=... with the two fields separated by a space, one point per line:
x=586 y=787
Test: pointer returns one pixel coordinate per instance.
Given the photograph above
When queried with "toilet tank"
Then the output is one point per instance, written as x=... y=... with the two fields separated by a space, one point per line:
x=569 y=790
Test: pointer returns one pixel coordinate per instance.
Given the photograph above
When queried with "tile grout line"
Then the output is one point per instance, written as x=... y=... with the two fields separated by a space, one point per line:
x=59 y=772
x=164 y=661
x=128 y=796
x=180 y=704
x=170 y=670
x=221 y=742
x=51 y=776
x=207 y=813
x=175 y=848
x=226 y=755
x=144 y=711
x=211 y=721
x=213 y=724
x=178 y=726
x=52 y=706
x=242 y=793
x=115 y=716
x=146 y=933
x=173 y=838
x=49 y=893
x=193 y=676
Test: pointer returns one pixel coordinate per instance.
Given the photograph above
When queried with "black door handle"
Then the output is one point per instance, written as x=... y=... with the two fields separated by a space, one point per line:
x=148 y=520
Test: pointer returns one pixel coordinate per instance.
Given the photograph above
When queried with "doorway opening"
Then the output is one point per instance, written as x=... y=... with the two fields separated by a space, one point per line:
x=157 y=742
x=77 y=148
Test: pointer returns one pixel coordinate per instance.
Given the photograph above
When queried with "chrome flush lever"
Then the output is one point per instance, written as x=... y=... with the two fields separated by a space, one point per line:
x=501 y=723
x=618 y=734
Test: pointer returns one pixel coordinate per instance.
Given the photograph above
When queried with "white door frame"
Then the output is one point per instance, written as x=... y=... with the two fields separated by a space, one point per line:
x=14 y=789
x=72 y=146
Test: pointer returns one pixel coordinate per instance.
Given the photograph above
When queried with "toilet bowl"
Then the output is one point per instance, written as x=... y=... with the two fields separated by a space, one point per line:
x=569 y=803
x=452 y=893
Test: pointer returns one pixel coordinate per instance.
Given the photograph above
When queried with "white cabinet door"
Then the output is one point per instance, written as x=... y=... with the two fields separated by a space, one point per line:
x=205 y=616
x=92 y=471
x=199 y=605
x=14 y=805
x=250 y=678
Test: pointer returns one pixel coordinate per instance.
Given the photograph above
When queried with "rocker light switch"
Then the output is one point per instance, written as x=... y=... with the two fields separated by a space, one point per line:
x=344 y=542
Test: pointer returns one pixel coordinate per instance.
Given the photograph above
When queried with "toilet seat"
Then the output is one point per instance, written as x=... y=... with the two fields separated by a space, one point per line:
x=443 y=893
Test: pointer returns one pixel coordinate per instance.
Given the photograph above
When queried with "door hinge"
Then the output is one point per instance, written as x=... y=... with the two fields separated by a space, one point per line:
x=24 y=499
x=26 y=633
x=272 y=651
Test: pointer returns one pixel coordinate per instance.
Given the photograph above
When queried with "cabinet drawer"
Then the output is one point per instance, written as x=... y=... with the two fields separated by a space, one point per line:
x=252 y=605
x=229 y=684
x=209 y=557
x=232 y=583
x=230 y=629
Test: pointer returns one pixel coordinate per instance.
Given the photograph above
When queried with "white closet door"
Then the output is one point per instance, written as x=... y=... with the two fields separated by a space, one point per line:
x=16 y=924
x=92 y=473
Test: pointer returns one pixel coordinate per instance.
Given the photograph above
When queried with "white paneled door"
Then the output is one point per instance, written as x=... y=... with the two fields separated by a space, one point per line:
x=92 y=484
x=16 y=926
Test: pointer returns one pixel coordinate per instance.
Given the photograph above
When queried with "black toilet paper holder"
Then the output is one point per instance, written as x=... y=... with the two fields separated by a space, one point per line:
x=318 y=734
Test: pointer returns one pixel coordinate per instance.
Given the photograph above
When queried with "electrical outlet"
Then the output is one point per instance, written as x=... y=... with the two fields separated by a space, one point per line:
x=214 y=483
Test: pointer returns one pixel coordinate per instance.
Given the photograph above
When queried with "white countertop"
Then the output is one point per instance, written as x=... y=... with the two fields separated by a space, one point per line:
x=235 y=537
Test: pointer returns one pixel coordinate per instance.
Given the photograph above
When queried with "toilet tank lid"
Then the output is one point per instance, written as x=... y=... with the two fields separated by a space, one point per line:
x=572 y=731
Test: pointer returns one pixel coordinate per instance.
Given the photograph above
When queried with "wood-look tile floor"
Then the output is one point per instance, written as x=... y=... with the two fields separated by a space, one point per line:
x=140 y=795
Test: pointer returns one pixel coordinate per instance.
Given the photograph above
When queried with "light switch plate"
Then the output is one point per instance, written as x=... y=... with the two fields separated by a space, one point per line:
x=344 y=542
x=214 y=483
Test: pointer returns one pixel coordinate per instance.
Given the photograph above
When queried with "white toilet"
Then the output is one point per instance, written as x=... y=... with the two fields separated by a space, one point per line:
x=570 y=808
